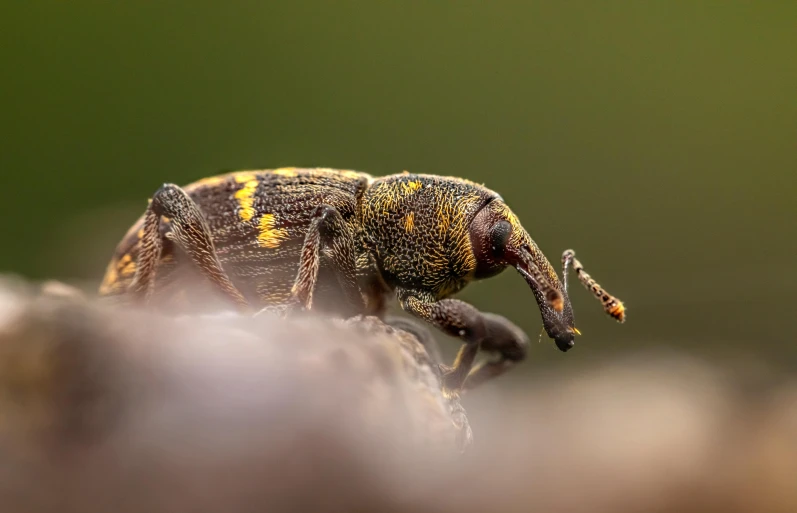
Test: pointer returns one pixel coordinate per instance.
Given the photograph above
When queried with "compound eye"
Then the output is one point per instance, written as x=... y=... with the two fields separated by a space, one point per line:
x=499 y=237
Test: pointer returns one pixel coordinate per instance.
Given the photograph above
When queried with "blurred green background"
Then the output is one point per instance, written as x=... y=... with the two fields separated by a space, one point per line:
x=658 y=139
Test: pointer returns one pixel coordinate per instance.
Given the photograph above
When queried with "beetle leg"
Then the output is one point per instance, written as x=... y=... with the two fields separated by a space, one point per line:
x=329 y=235
x=455 y=318
x=150 y=247
x=190 y=232
x=504 y=338
x=487 y=331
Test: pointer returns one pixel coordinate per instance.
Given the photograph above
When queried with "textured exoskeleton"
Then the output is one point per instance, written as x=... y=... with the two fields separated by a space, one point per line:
x=342 y=242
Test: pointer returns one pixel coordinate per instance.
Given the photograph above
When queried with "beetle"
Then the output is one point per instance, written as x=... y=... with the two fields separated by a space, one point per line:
x=342 y=242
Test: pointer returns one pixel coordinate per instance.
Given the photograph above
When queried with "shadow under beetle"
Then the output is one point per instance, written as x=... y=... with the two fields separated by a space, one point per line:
x=342 y=242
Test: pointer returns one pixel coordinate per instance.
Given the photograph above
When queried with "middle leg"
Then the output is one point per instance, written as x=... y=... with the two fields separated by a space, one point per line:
x=330 y=236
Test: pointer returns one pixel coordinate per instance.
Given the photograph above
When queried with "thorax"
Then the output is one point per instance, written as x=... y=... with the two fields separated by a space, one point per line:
x=417 y=229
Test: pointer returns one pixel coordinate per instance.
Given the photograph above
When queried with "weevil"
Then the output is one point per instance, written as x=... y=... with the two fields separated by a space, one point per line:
x=344 y=242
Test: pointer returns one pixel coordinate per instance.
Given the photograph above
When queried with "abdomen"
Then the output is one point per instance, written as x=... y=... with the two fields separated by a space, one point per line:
x=257 y=220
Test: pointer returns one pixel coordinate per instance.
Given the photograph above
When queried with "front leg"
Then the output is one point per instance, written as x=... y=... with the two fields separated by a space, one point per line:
x=328 y=235
x=478 y=330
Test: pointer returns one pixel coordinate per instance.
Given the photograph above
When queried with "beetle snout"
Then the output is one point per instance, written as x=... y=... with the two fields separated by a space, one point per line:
x=559 y=327
x=564 y=343
x=563 y=336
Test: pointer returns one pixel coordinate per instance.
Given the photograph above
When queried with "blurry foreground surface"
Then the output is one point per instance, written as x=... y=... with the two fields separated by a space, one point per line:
x=125 y=411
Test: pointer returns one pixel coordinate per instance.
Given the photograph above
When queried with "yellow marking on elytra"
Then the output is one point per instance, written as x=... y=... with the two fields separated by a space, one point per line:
x=285 y=171
x=246 y=195
x=270 y=237
x=409 y=221
x=111 y=278
x=124 y=267
x=129 y=269
x=350 y=174
x=140 y=233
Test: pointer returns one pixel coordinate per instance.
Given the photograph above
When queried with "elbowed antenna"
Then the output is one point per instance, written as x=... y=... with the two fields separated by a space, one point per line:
x=611 y=305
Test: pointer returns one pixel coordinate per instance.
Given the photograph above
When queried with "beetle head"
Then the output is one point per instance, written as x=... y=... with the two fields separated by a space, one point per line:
x=499 y=241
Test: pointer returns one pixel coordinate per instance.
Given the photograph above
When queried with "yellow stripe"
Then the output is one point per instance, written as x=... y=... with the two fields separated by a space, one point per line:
x=285 y=171
x=270 y=237
x=246 y=195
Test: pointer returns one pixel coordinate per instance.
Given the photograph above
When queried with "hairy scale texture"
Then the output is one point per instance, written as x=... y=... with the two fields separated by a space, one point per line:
x=409 y=230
